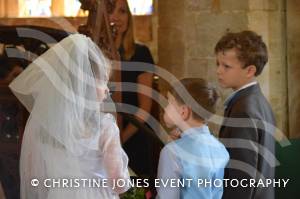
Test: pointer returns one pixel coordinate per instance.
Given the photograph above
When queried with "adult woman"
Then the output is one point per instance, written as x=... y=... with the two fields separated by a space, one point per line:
x=67 y=137
x=134 y=57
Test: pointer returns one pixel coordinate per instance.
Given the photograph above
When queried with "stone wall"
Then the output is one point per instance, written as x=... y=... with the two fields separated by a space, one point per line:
x=9 y=8
x=267 y=17
x=293 y=58
x=188 y=31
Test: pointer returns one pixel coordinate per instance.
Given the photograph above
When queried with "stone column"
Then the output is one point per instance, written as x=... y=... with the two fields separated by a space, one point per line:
x=171 y=46
x=12 y=8
x=2 y=8
x=293 y=72
x=267 y=17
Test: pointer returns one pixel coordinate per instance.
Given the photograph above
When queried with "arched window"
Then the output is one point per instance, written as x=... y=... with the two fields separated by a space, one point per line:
x=47 y=8
x=141 y=7
x=71 y=8
x=35 y=8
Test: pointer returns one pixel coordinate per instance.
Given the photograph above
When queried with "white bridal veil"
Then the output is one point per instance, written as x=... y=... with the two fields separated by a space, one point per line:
x=66 y=135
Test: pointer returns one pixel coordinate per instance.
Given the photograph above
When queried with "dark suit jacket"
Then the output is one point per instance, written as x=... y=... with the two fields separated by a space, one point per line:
x=250 y=143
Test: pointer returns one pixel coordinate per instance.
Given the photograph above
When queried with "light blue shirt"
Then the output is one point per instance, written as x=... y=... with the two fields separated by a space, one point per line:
x=196 y=155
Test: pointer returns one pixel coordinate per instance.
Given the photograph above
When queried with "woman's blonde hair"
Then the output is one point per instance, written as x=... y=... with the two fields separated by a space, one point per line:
x=128 y=37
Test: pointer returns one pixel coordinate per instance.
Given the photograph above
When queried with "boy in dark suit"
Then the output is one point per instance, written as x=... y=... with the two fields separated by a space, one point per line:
x=248 y=127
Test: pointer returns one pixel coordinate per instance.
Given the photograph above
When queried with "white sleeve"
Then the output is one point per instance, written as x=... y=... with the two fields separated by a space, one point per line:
x=115 y=160
x=168 y=168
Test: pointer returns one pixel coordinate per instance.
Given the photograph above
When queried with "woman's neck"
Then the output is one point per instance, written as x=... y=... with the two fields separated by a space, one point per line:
x=118 y=41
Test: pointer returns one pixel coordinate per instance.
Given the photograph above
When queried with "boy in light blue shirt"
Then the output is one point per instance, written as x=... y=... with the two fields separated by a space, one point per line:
x=197 y=156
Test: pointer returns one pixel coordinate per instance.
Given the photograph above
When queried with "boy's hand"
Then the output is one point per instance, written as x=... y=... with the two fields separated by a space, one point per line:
x=174 y=134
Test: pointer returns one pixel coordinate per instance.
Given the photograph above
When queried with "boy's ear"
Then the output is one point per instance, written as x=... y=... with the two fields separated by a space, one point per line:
x=251 y=70
x=186 y=112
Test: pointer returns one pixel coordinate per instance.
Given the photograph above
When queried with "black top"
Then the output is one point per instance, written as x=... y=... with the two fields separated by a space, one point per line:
x=140 y=62
x=139 y=147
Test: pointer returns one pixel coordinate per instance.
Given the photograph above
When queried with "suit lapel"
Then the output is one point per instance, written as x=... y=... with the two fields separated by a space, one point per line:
x=227 y=112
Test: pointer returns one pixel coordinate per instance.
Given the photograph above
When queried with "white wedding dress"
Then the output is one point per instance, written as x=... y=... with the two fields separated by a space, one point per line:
x=68 y=142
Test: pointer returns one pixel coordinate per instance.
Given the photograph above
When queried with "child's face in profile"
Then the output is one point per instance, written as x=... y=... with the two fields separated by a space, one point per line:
x=230 y=71
x=172 y=111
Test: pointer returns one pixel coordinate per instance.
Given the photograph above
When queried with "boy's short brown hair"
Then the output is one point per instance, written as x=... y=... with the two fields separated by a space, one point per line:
x=250 y=48
x=204 y=95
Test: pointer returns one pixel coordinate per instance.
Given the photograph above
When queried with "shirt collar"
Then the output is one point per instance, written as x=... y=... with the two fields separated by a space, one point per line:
x=235 y=92
x=202 y=129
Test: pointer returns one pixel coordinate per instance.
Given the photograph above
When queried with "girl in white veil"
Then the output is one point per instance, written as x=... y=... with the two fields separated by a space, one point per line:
x=69 y=146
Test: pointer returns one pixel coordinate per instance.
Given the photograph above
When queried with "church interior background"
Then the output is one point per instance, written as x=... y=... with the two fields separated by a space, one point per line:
x=181 y=35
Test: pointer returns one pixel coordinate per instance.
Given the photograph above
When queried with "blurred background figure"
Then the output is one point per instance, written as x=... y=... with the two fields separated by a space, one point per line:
x=137 y=142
